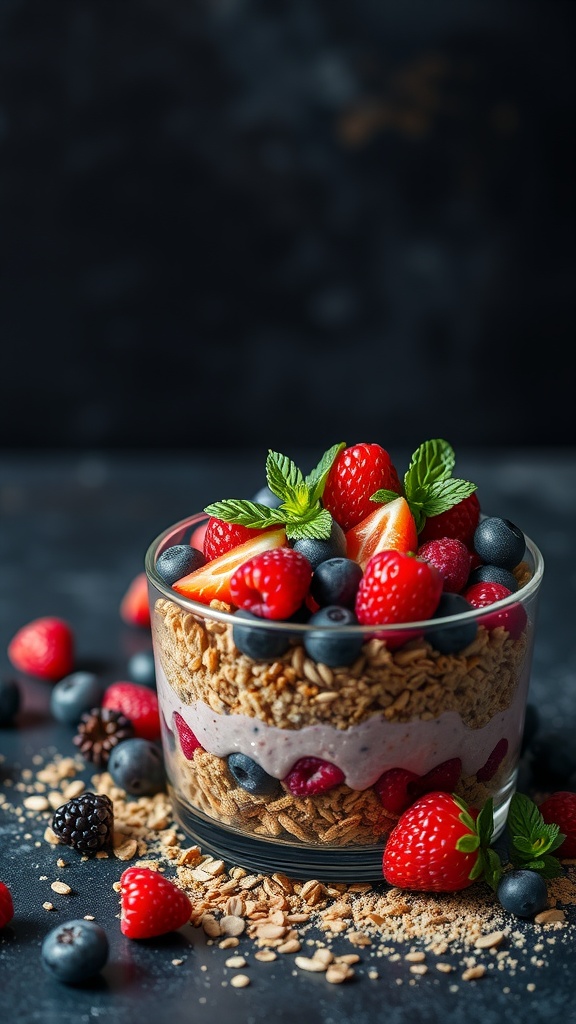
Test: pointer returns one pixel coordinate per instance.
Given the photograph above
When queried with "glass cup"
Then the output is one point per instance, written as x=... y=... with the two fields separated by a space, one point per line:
x=286 y=764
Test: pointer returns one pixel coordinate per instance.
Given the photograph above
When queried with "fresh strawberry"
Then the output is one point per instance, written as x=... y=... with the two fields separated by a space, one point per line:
x=398 y=788
x=452 y=559
x=151 y=904
x=188 y=741
x=212 y=581
x=312 y=775
x=139 y=704
x=512 y=619
x=438 y=845
x=459 y=522
x=43 y=648
x=560 y=809
x=356 y=474
x=272 y=584
x=221 y=537
x=134 y=606
x=397 y=587
x=6 y=905
x=489 y=769
x=387 y=527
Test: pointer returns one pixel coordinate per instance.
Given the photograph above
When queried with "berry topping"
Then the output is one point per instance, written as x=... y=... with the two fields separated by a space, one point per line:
x=489 y=769
x=43 y=648
x=397 y=587
x=139 y=704
x=137 y=766
x=560 y=809
x=493 y=574
x=75 y=951
x=387 y=527
x=512 y=619
x=99 y=730
x=398 y=788
x=211 y=582
x=151 y=904
x=86 y=823
x=312 y=775
x=178 y=561
x=256 y=642
x=459 y=521
x=318 y=551
x=336 y=581
x=134 y=606
x=188 y=741
x=357 y=473
x=74 y=695
x=450 y=637
x=272 y=584
x=251 y=776
x=328 y=646
x=523 y=893
x=452 y=559
x=499 y=542
x=10 y=700
x=6 y=905
x=221 y=537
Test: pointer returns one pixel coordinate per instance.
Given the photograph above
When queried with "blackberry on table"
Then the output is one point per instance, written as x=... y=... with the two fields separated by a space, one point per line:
x=99 y=731
x=86 y=822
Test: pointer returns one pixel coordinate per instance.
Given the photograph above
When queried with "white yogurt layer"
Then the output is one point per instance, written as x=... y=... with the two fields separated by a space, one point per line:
x=363 y=751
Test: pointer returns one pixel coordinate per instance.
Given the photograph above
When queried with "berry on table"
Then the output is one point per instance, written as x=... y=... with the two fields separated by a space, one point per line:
x=523 y=892
x=188 y=742
x=482 y=595
x=311 y=775
x=138 y=703
x=134 y=606
x=99 y=730
x=86 y=823
x=151 y=904
x=450 y=637
x=397 y=587
x=178 y=561
x=329 y=646
x=356 y=474
x=6 y=905
x=336 y=581
x=43 y=648
x=499 y=542
x=452 y=559
x=255 y=641
x=318 y=551
x=10 y=700
x=221 y=537
x=137 y=766
x=75 y=694
x=385 y=527
x=212 y=581
x=251 y=776
x=75 y=951
x=560 y=809
x=272 y=584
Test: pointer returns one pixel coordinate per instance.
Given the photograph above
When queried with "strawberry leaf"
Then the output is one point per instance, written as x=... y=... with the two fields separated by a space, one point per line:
x=485 y=823
x=468 y=843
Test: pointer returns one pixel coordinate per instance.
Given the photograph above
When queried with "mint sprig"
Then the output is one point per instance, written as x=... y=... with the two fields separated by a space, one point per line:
x=532 y=840
x=300 y=511
x=429 y=487
x=487 y=864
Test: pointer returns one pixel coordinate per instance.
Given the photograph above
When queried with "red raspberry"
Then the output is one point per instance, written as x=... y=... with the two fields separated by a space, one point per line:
x=460 y=522
x=357 y=473
x=512 y=619
x=221 y=537
x=151 y=904
x=399 y=788
x=560 y=809
x=452 y=559
x=6 y=905
x=397 y=587
x=273 y=584
x=134 y=606
x=312 y=775
x=43 y=648
x=139 y=704
x=188 y=741
x=488 y=770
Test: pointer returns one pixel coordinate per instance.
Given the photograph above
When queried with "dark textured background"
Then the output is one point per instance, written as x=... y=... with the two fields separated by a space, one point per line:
x=236 y=222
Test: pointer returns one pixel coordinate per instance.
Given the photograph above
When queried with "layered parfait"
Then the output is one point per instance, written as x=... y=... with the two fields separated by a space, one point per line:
x=340 y=644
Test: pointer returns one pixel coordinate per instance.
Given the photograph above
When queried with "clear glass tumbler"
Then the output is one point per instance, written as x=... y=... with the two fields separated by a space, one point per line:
x=286 y=764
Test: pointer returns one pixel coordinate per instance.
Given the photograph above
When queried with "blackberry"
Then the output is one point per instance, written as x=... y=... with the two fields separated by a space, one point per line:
x=85 y=823
x=99 y=731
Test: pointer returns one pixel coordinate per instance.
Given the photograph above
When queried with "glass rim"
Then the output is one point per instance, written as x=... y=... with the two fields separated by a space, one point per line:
x=199 y=609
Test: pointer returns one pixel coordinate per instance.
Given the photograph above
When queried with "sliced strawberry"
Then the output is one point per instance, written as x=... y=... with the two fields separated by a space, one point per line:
x=212 y=581
x=388 y=527
x=188 y=741
x=221 y=537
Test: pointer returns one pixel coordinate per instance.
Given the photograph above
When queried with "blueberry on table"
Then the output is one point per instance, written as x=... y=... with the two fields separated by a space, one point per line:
x=328 y=645
x=335 y=581
x=137 y=766
x=499 y=542
x=523 y=892
x=178 y=561
x=9 y=700
x=493 y=574
x=451 y=637
x=251 y=776
x=318 y=551
x=74 y=695
x=75 y=951
x=141 y=669
x=257 y=642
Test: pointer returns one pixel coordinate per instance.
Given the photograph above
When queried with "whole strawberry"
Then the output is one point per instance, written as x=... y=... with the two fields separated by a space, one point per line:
x=397 y=587
x=221 y=537
x=134 y=607
x=560 y=809
x=43 y=648
x=151 y=904
x=6 y=905
x=459 y=522
x=272 y=585
x=139 y=704
x=356 y=474
x=440 y=845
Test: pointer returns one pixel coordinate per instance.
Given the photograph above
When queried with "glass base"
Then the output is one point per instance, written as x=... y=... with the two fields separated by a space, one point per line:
x=296 y=860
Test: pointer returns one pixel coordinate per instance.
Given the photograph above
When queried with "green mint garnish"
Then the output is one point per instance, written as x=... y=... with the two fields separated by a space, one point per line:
x=532 y=840
x=301 y=512
x=487 y=864
x=429 y=487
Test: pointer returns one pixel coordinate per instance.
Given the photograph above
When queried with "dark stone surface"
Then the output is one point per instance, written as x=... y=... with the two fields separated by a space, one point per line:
x=74 y=532
x=250 y=206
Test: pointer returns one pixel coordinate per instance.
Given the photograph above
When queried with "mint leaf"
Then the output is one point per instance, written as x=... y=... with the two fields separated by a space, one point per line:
x=245 y=513
x=485 y=823
x=282 y=475
x=384 y=496
x=524 y=818
x=316 y=479
x=432 y=461
x=443 y=494
x=532 y=839
x=317 y=524
x=491 y=867
x=429 y=487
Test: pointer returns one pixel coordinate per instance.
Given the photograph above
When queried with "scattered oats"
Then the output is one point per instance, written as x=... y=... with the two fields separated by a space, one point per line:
x=89 y=917
x=51 y=837
x=348 y=958
x=240 y=980
x=290 y=946
x=48 y=906
x=373 y=974
x=310 y=964
x=444 y=967
x=271 y=931
x=177 y=963
x=36 y=803
x=531 y=986
x=550 y=916
x=61 y=887
x=211 y=926
x=418 y=969
x=230 y=942
x=73 y=790
x=325 y=956
x=471 y=973
x=101 y=855
x=415 y=956
x=489 y=941
x=337 y=973
x=117 y=886
x=126 y=850
x=235 y=961
x=235 y=907
x=61 y=863
x=266 y=955
x=232 y=925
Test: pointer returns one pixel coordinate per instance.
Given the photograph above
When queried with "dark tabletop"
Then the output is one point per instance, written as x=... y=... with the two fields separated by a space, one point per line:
x=73 y=534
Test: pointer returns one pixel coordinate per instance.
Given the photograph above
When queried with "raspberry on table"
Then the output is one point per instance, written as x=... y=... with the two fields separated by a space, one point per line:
x=86 y=823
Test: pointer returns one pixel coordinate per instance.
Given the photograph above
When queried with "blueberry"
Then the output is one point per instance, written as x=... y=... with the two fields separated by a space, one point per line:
x=75 y=951
x=499 y=542
x=251 y=776
x=523 y=893
x=141 y=669
x=267 y=497
x=136 y=765
x=336 y=581
x=328 y=646
x=256 y=642
x=178 y=561
x=318 y=551
x=453 y=637
x=9 y=700
x=75 y=694
x=493 y=574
